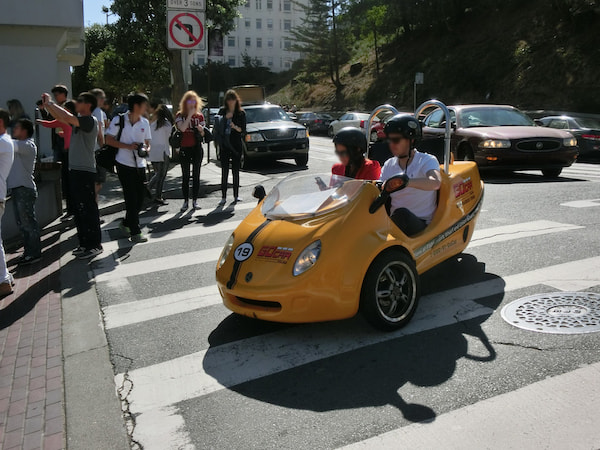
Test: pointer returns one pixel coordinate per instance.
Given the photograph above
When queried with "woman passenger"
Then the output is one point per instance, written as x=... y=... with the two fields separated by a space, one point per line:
x=350 y=147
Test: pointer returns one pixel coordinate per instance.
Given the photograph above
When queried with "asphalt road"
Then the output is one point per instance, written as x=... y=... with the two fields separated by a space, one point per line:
x=196 y=376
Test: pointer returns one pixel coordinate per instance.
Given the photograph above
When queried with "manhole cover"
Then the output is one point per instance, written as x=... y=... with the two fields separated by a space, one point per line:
x=559 y=312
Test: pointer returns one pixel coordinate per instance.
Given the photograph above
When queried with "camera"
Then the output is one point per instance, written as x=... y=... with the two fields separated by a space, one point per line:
x=142 y=151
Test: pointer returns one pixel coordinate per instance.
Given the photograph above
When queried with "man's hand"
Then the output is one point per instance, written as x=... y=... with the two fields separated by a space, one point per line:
x=45 y=99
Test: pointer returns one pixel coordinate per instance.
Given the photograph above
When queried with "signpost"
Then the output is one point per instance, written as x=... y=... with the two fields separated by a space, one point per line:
x=185 y=30
x=187 y=5
x=419 y=79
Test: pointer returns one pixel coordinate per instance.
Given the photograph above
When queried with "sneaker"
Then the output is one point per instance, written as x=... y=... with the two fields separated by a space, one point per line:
x=88 y=254
x=238 y=200
x=223 y=201
x=5 y=289
x=195 y=205
x=139 y=238
x=161 y=201
x=185 y=206
x=125 y=229
x=78 y=251
x=28 y=260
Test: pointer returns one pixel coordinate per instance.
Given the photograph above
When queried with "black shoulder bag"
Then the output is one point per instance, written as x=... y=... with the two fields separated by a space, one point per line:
x=105 y=157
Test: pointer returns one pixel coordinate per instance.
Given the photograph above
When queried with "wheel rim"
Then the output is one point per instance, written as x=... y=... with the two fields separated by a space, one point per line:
x=374 y=137
x=395 y=291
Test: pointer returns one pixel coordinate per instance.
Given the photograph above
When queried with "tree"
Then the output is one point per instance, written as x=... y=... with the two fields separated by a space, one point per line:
x=375 y=18
x=97 y=38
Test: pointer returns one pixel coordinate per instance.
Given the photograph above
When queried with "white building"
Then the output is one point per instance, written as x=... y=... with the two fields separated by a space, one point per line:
x=262 y=32
x=39 y=42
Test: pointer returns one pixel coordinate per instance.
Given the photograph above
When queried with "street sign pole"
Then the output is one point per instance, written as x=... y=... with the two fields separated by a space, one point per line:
x=419 y=79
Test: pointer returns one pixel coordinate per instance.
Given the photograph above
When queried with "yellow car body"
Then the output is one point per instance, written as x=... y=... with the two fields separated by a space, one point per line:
x=263 y=284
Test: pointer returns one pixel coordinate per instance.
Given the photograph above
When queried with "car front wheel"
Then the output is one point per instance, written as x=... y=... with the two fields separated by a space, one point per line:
x=330 y=132
x=301 y=160
x=551 y=173
x=390 y=292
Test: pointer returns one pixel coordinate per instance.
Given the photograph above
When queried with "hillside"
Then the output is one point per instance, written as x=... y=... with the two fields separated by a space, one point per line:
x=526 y=54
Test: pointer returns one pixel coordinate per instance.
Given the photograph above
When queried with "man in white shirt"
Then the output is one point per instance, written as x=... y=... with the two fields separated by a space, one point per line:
x=413 y=206
x=6 y=161
x=100 y=116
x=131 y=166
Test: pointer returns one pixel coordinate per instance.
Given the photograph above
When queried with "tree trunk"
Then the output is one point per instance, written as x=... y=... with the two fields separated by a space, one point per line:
x=336 y=64
x=376 y=50
x=179 y=86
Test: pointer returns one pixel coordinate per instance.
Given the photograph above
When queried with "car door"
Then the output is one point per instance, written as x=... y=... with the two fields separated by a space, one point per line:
x=341 y=123
x=434 y=132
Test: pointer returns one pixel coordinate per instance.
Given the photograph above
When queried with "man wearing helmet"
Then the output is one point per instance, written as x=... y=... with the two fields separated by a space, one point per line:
x=412 y=207
x=350 y=148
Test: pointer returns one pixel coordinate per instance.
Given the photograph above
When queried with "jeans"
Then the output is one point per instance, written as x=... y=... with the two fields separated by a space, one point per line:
x=87 y=216
x=226 y=156
x=24 y=205
x=134 y=190
x=4 y=274
x=408 y=222
x=190 y=156
x=160 y=174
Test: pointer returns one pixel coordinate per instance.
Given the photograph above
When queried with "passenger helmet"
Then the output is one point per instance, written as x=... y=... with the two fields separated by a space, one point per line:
x=351 y=138
x=404 y=124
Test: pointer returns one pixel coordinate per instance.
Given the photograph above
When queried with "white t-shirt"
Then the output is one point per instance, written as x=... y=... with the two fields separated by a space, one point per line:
x=7 y=154
x=421 y=203
x=101 y=118
x=160 y=141
x=136 y=133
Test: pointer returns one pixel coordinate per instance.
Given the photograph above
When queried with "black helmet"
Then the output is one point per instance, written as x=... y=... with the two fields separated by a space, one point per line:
x=351 y=138
x=404 y=124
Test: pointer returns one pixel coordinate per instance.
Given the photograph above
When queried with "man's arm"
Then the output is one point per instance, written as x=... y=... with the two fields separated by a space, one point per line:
x=110 y=140
x=431 y=182
x=59 y=113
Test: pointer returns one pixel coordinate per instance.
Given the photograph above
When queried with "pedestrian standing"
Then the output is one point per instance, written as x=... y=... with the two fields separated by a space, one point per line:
x=190 y=122
x=100 y=116
x=233 y=129
x=64 y=129
x=23 y=190
x=82 y=171
x=16 y=111
x=131 y=162
x=6 y=160
x=160 y=153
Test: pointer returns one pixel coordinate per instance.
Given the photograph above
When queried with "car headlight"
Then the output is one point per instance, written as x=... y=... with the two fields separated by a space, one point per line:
x=226 y=250
x=307 y=258
x=570 y=142
x=301 y=134
x=254 y=137
x=495 y=143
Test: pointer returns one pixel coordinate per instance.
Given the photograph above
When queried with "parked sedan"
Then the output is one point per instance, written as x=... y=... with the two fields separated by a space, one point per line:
x=585 y=129
x=502 y=137
x=315 y=122
x=350 y=119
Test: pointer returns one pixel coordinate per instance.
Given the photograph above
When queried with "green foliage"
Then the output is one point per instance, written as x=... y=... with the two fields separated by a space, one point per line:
x=97 y=38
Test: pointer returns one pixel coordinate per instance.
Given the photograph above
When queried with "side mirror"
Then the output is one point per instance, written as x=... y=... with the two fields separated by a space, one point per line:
x=259 y=193
x=395 y=184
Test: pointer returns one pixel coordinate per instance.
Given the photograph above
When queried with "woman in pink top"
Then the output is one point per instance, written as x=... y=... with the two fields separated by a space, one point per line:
x=65 y=130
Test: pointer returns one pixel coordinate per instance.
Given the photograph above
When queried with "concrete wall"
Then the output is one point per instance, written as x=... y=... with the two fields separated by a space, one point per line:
x=39 y=42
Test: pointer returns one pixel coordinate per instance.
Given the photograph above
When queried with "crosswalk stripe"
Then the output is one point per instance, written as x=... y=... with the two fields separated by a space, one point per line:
x=518 y=231
x=141 y=310
x=162 y=236
x=228 y=365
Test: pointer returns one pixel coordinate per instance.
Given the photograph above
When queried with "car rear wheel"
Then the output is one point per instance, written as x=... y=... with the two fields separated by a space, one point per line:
x=301 y=160
x=551 y=173
x=374 y=136
x=390 y=292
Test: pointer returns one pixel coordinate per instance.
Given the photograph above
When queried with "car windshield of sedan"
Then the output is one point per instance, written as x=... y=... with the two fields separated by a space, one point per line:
x=268 y=114
x=306 y=196
x=493 y=117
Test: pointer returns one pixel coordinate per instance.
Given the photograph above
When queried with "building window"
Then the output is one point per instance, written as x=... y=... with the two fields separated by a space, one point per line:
x=258 y=4
x=270 y=24
x=258 y=42
x=231 y=61
x=287 y=5
x=248 y=23
x=247 y=4
x=287 y=44
x=270 y=42
x=287 y=25
x=269 y=4
x=200 y=61
x=231 y=41
x=259 y=61
x=270 y=61
x=248 y=42
x=287 y=64
x=259 y=24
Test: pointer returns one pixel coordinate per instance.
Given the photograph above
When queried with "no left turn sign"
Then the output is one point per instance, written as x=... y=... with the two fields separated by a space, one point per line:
x=185 y=30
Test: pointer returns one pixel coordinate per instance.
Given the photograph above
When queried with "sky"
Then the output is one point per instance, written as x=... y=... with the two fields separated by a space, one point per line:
x=92 y=12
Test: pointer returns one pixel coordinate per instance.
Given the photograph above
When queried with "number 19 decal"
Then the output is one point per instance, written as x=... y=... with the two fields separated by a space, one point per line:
x=243 y=252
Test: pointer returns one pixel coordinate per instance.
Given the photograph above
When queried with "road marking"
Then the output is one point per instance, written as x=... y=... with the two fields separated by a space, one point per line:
x=192 y=230
x=162 y=429
x=122 y=314
x=494 y=422
x=582 y=203
x=518 y=231
x=228 y=365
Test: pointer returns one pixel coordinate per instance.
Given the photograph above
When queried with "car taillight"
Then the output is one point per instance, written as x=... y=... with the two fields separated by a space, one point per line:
x=591 y=137
x=362 y=123
x=318 y=121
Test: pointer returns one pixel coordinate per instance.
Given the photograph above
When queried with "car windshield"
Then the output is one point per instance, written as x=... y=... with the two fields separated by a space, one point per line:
x=304 y=196
x=585 y=122
x=267 y=114
x=493 y=117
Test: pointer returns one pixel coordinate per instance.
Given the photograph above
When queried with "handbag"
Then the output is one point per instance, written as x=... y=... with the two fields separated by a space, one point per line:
x=176 y=137
x=105 y=157
x=208 y=136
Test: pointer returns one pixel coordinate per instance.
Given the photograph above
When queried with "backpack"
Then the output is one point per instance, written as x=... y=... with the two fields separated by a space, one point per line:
x=105 y=157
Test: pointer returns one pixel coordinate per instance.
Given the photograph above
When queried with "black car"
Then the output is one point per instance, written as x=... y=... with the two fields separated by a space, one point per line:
x=585 y=129
x=315 y=122
x=271 y=134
